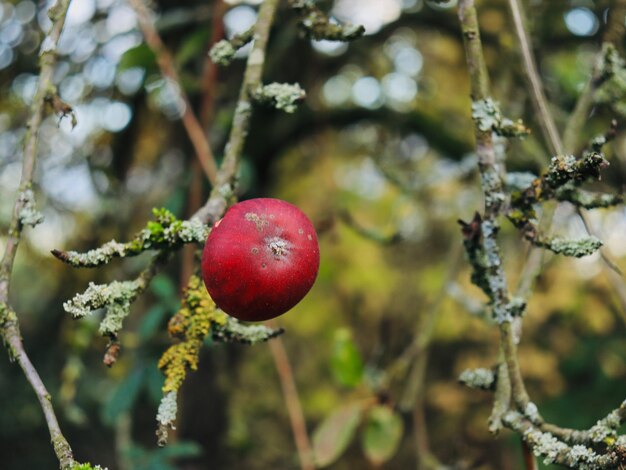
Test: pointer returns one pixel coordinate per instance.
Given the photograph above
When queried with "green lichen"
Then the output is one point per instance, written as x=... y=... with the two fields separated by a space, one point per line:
x=575 y=248
x=87 y=466
x=283 y=96
x=223 y=52
x=587 y=199
x=6 y=314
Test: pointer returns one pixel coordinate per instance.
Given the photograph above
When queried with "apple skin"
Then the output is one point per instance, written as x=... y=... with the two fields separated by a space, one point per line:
x=260 y=259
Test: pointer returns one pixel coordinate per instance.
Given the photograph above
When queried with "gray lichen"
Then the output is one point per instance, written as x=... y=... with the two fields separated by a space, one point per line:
x=481 y=378
x=532 y=412
x=518 y=181
x=166 y=232
x=488 y=117
x=223 y=52
x=28 y=214
x=555 y=451
x=116 y=297
x=486 y=114
x=612 y=80
x=166 y=417
x=284 y=96
x=576 y=248
x=99 y=296
x=235 y=332
x=97 y=256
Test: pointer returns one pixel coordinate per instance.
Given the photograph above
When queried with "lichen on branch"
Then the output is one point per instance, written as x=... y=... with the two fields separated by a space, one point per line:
x=317 y=25
x=488 y=117
x=29 y=215
x=561 y=182
x=283 y=96
x=197 y=318
x=223 y=52
x=165 y=232
x=482 y=379
x=555 y=451
x=116 y=297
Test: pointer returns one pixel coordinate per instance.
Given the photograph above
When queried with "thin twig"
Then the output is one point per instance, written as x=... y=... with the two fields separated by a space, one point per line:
x=613 y=34
x=612 y=271
x=9 y=326
x=224 y=189
x=548 y=127
x=292 y=400
x=209 y=83
x=573 y=129
x=530 y=463
x=210 y=71
x=166 y=64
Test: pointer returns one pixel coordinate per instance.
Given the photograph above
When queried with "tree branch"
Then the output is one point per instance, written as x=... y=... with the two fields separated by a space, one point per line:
x=166 y=64
x=548 y=127
x=292 y=400
x=223 y=191
x=9 y=325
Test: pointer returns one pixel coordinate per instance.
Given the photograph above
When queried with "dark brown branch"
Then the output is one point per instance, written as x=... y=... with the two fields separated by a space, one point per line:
x=194 y=130
x=292 y=400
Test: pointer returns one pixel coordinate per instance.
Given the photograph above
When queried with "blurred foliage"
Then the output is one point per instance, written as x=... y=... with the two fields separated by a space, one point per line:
x=384 y=135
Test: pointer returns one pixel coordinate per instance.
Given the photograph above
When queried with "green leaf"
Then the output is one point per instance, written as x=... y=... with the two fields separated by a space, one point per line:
x=163 y=287
x=192 y=46
x=151 y=321
x=139 y=56
x=154 y=383
x=181 y=449
x=382 y=435
x=345 y=362
x=123 y=397
x=334 y=434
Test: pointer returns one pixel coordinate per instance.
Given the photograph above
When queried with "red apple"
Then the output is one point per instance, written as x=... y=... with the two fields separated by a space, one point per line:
x=260 y=259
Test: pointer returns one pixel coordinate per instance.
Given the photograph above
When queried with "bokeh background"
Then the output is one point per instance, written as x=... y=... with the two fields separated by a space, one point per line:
x=379 y=156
